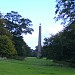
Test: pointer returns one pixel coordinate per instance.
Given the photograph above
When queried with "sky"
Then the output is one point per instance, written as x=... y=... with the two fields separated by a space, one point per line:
x=38 y=11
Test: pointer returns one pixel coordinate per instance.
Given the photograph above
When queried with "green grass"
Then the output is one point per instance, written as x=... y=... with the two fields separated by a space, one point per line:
x=33 y=66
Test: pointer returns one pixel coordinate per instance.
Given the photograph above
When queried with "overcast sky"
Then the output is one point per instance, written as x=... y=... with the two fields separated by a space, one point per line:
x=38 y=11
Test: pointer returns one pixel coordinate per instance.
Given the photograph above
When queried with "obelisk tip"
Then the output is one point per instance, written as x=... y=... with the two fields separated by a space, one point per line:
x=40 y=24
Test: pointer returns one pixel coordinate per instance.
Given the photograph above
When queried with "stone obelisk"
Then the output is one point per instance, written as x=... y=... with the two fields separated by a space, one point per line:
x=39 y=43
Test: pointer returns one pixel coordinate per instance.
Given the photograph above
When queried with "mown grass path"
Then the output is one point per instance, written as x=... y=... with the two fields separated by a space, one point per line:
x=33 y=66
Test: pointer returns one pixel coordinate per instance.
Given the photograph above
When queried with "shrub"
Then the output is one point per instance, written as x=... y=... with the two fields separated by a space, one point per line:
x=7 y=48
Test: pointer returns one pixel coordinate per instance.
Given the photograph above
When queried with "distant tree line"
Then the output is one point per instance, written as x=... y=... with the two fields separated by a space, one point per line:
x=12 y=26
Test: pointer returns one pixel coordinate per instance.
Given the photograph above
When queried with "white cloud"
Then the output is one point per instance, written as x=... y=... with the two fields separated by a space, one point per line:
x=55 y=29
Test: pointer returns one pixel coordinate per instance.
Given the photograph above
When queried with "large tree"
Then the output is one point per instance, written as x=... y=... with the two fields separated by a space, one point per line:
x=14 y=25
x=18 y=25
x=65 y=11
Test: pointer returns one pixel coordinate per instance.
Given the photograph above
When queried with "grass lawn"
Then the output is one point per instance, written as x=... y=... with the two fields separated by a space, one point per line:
x=33 y=66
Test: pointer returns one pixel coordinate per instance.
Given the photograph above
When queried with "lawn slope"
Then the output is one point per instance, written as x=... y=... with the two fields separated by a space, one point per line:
x=33 y=66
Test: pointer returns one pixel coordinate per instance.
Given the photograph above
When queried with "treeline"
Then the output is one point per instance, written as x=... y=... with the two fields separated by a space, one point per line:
x=12 y=26
x=61 y=46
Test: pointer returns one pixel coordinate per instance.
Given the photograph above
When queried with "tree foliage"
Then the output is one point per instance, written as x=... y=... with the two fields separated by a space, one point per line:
x=7 y=48
x=12 y=26
x=3 y=30
x=65 y=10
x=17 y=25
x=60 y=47
x=22 y=48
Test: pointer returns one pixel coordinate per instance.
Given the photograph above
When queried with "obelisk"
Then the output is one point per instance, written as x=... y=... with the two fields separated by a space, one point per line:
x=39 y=43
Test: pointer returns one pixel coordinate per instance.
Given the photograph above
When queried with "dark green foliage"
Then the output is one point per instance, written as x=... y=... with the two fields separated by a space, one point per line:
x=22 y=48
x=18 y=42
x=12 y=26
x=34 y=53
x=7 y=48
x=65 y=11
x=18 y=26
x=69 y=31
x=3 y=30
x=61 y=47
x=28 y=51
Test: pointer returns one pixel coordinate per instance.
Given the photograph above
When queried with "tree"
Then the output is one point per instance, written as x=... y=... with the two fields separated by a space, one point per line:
x=13 y=26
x=53 y=47
x=69 y=44
x=16 y=24
x=65 y=10
x=60 y=47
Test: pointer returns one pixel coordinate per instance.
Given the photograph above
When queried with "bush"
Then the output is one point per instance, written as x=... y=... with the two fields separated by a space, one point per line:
x=7 y=48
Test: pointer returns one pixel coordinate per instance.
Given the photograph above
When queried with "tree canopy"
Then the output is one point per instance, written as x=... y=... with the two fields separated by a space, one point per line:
x=60 y=47
x=18 y=25
x=12 y=26
x=7 y=48
x=65 y=11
